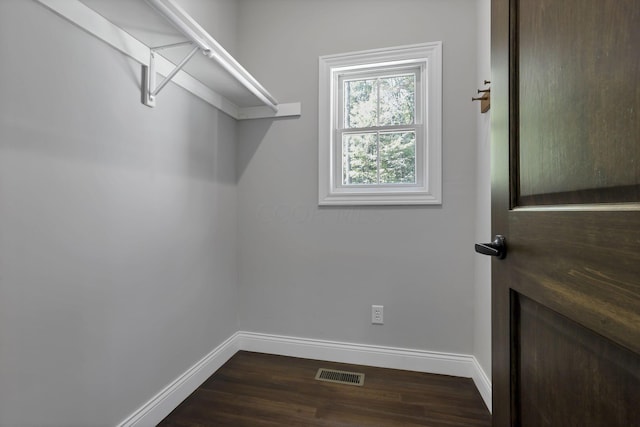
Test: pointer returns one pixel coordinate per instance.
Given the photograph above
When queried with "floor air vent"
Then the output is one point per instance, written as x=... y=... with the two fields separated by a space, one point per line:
x=340 y=377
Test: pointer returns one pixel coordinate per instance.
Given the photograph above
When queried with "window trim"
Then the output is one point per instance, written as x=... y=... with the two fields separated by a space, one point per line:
x=427 y=56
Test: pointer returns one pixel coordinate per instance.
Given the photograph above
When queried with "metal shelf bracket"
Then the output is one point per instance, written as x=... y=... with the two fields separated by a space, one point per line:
x=149 y=88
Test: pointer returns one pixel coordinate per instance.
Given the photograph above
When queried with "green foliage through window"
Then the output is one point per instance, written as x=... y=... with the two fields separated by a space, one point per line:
x=379 y=158
x=384 y=101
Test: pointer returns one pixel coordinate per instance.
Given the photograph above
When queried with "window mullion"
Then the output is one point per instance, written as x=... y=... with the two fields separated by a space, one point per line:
x=381 y=128
x=378 y=154
x=378 y=102
x=346 y=120
x=346 y=173
x=338 y=173
x=378 y=132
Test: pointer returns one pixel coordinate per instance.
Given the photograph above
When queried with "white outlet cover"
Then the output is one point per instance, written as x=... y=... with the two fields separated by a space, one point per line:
x=377 y=314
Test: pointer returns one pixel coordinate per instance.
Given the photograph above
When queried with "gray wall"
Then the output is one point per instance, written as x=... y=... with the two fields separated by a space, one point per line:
x=117 y=228
x=218 y=17
x=482 y=319
x=311 y=272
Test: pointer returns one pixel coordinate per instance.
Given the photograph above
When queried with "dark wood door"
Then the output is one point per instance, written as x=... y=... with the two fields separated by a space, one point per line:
x=565 y=194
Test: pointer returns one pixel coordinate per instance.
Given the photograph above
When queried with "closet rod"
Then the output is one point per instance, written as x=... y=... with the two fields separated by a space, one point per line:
x=210 y=47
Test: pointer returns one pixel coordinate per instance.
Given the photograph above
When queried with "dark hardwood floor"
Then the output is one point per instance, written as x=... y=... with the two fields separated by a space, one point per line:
x=254 y=389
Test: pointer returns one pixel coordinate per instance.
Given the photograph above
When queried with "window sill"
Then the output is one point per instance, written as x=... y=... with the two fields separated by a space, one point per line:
x=379 y=198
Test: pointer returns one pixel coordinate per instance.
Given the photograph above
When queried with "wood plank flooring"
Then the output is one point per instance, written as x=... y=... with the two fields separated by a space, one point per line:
x=254 y=389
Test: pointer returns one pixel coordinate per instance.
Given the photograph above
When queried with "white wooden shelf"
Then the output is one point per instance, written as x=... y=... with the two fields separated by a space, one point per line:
x=137 y=27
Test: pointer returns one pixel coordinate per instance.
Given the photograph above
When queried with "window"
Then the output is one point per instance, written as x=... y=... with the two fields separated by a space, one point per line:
x=380 y=127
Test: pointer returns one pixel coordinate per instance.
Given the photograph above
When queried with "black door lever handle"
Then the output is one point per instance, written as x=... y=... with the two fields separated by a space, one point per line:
x=496 y=248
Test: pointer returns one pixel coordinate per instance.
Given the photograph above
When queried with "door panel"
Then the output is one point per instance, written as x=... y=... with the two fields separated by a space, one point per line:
x=565 y=193
x=584 y=265
x=578 y=115
x=563 y=365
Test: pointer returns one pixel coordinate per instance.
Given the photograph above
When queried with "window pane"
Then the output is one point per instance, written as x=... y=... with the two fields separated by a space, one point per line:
x=361 y=103
x=397 y=100
x=397 y=158
x=359 y=159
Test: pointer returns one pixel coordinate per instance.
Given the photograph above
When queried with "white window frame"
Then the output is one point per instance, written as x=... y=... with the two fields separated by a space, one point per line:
x=416 y=127
x=428 y=126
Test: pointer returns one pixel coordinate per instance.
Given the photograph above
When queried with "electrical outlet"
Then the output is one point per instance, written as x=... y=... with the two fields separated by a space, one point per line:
x=377 y=314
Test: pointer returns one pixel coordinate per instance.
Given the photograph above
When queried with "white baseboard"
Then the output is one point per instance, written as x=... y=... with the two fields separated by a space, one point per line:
x=161 y=405
x=361 y=354
x=483 y=383
x=459 y=365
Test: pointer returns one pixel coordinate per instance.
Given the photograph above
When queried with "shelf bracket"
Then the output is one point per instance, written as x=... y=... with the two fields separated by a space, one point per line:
x=149 y=88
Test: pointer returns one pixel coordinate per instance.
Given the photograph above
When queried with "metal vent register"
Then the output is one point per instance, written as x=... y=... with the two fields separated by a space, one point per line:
x=340 y=377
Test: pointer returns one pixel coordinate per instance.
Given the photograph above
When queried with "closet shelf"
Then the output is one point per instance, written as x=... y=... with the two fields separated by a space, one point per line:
x=166 y=40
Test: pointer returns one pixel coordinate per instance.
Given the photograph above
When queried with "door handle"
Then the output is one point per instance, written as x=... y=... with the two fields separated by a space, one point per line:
x=496 y=248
